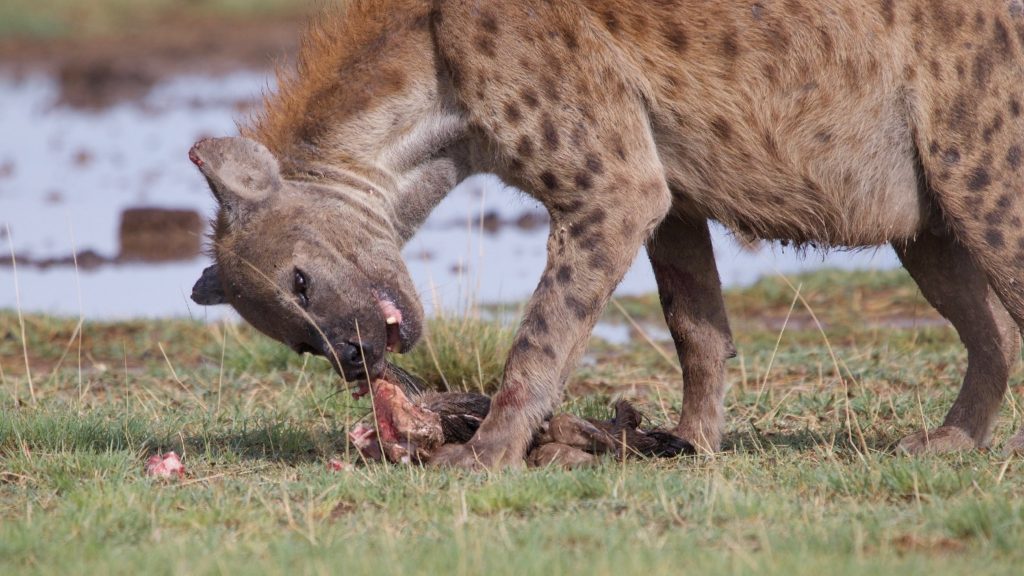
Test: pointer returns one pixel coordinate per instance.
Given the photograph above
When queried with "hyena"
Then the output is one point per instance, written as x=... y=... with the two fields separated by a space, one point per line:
x=822 y=122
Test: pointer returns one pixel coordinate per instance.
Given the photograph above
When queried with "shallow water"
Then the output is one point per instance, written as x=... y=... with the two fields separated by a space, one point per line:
x=67 y=175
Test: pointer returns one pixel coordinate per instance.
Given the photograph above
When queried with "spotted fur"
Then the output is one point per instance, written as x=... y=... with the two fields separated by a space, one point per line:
x=827 y=122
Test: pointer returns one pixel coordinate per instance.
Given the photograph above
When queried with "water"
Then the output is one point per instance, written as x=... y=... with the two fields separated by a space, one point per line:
x=67 y=175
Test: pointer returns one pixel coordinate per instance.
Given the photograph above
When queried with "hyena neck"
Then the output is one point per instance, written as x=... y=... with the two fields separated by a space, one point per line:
x=404 y=199
x=421 y=164
x=366 y=104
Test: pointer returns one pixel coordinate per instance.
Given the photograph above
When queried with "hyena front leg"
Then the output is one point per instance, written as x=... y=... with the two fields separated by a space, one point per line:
x=589 y=251
x=683 y=259
x=562 y=120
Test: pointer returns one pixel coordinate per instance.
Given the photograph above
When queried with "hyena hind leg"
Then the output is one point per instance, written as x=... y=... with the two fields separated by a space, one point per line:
x=952 y=282
x=691 y=297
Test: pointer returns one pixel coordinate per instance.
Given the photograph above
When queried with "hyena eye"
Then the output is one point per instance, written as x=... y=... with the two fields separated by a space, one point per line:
x=300 y=284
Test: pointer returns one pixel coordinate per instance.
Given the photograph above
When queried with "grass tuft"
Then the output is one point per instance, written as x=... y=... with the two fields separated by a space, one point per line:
x=466 y=354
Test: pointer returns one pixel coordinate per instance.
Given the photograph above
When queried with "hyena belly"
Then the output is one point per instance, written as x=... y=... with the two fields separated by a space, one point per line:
x=810 y=143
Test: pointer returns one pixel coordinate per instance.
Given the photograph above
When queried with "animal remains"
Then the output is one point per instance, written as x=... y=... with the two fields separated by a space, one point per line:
x=824 y=123
x=410 y=423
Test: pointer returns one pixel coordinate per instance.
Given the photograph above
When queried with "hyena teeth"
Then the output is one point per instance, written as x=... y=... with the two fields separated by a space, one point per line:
x=391 y=320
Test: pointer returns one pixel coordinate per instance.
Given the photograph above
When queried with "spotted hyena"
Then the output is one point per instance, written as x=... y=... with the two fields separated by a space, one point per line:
x=827 y=122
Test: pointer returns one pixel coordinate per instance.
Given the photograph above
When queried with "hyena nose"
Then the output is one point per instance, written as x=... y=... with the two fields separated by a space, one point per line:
x=351 y=354
x=354 y=357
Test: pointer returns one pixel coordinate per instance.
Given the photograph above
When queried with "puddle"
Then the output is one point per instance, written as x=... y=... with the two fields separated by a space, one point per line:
x=68 y=176
x=623 y=332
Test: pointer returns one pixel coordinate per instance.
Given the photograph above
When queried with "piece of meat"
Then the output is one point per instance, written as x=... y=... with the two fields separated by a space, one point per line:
x=336 y=465
x=165 y=466
x=407 y=432
x=364 y=438
x=361 y=389
x=411 y=424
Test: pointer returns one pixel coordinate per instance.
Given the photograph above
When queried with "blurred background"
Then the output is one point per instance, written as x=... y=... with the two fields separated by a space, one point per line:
x=102 y=215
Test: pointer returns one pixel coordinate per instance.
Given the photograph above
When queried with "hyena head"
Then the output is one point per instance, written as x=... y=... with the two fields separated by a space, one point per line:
x=316 y=266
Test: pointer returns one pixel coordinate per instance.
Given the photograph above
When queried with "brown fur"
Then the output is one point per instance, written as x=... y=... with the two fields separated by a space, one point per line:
x=340 y=47
x=832 y=123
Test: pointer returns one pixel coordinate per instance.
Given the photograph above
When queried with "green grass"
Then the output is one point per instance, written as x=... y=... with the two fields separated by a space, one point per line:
x=807 y=483
x=464 y=353
x=43 y=19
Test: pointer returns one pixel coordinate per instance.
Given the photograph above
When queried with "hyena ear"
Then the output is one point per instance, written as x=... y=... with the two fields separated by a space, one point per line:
x=207 y=291
x=241 y=172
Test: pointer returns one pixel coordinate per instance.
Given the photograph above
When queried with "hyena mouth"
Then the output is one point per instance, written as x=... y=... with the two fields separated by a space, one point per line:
x=393 y=323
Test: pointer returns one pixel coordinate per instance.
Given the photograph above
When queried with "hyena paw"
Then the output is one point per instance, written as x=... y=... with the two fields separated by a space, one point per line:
x=937 y=441
x=1015 y=445
x=478 y=455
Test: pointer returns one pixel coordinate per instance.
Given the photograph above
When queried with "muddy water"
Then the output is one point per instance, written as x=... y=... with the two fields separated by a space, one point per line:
x=67 y=176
